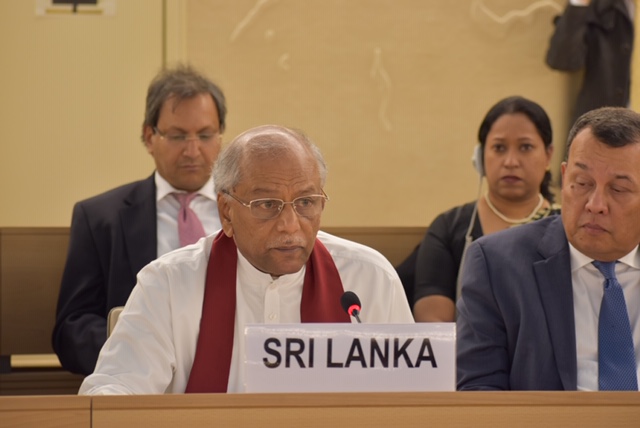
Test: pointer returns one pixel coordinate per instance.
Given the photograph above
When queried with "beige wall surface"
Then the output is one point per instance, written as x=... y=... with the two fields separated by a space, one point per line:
x=73 y=89
x=393 y=91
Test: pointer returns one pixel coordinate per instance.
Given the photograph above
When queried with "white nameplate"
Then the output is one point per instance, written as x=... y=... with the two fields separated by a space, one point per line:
x=350 y=357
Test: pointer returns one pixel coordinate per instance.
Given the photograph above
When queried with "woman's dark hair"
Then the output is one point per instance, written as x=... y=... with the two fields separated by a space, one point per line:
x=538 y=117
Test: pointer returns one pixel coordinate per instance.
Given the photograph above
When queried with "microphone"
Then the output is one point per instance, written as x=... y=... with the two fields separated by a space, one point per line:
x=351 y=304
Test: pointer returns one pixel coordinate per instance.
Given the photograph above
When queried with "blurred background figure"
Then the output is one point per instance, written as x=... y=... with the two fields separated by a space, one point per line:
x=513 y=155
x=595 y=36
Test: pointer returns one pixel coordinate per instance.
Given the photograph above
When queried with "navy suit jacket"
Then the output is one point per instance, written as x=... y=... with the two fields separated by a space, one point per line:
x=515 y=327
x=113 y=236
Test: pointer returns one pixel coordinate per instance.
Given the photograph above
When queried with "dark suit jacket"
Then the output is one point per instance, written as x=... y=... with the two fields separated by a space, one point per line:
x=113 y=235
x=515 y=326
x=599 y=40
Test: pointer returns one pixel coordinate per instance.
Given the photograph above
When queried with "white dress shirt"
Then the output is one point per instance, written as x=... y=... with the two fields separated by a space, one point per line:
x=588 y=289
x=205 y=205
x=152 y=347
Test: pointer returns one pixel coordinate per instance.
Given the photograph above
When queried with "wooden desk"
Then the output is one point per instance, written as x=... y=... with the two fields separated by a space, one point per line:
x=430 y=410
x=45 y=412
x=407 y=410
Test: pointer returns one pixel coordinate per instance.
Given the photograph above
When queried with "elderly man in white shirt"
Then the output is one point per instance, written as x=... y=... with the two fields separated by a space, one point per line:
x=181 y=330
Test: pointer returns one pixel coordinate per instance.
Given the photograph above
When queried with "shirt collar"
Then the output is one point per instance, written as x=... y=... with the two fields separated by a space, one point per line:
x=163 y=188
x=579 y=260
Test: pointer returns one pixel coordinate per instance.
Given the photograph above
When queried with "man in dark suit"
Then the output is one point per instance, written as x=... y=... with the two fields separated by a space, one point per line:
x=533 y=307
x=115 y=234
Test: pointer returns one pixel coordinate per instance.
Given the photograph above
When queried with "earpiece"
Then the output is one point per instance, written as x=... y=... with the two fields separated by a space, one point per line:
x=478 y=163
x=477 y=160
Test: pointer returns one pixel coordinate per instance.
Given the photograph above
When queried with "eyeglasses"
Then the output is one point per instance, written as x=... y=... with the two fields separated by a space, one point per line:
x=178 y=139
x=305 y=206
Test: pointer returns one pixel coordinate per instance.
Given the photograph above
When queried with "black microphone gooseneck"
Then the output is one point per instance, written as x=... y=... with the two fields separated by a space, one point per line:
x=351 y=304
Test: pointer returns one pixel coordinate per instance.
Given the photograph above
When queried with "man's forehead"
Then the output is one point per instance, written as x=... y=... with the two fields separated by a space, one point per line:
x=270 y=173
x=286 y=165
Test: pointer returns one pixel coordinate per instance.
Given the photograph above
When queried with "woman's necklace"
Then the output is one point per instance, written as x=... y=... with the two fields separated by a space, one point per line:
x=511 y=220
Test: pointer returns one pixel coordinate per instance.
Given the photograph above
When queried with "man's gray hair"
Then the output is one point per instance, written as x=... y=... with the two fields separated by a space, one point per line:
x=613 y=126
x=181 y=82
x=264 y=141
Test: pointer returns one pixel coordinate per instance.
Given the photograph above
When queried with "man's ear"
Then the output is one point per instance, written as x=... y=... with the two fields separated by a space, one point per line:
x=225 y=213
x=563 y=171
x=147 y=133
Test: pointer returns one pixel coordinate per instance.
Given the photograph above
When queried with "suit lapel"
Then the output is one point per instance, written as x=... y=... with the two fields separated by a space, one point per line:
x=138 y=219
x=553 y=275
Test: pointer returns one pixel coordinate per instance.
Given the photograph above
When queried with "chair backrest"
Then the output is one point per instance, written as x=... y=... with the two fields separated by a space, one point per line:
x=31 y=265
x=112 y=318
x=32 y=261
x=395 y=243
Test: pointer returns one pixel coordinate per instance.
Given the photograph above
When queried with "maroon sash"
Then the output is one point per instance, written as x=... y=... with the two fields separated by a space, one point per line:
x=321 y=294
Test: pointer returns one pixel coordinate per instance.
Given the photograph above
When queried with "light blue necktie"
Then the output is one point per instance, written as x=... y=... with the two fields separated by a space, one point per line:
x=616 y=356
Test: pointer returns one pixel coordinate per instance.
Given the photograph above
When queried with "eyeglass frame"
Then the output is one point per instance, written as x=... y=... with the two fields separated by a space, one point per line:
x=248 y=204
x=185 y=138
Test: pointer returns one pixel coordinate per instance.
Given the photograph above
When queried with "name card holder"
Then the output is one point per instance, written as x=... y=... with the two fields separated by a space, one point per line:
x=335 y=357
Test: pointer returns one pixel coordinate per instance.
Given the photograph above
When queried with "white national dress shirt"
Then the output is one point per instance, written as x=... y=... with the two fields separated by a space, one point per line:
x=205 y=205
x=152 y=347
x=588 y=289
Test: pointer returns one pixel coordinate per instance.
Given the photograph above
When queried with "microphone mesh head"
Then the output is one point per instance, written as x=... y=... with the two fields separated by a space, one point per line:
x=349 y=299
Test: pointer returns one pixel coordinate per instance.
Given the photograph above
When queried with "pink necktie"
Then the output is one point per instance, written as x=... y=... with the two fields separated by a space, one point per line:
x=189 y=226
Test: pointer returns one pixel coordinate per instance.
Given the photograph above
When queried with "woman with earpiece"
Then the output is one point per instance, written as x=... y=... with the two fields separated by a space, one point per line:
x=514 y=155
